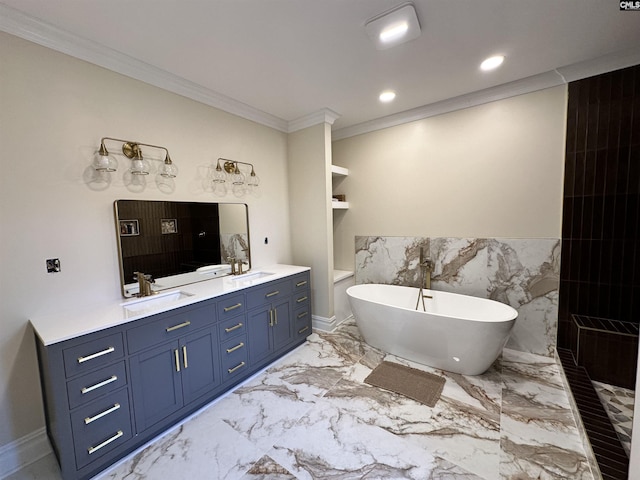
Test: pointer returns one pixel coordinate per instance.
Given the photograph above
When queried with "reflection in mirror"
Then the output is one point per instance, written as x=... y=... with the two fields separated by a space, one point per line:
x=178 y=243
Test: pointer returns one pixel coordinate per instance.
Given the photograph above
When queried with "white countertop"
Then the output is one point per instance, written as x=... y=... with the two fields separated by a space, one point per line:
x=58 y=327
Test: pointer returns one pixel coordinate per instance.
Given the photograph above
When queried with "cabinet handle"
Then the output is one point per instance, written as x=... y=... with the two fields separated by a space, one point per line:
x=89 y=420
x=96 y=355
x=184 y=356
x=303 y=314
x=176 y=327
x=271 y=318
x=233 y=349
x=235 y=327
x=232 y=307
x=275 y=316
x=304 y=329
x=98 y=385
x=106 y=442
x=302 y=283
x=301 y=299
x=275 y=292
x=176 y=355
x=240 y=365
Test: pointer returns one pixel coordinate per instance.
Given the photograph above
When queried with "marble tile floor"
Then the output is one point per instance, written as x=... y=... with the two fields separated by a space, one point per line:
x=310 y=416
x=618 y=402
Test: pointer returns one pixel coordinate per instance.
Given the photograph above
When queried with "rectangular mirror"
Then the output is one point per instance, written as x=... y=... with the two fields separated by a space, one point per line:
x=179 y=243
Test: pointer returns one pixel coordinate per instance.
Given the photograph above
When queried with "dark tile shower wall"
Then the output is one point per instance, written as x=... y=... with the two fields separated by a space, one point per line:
x=600 y=271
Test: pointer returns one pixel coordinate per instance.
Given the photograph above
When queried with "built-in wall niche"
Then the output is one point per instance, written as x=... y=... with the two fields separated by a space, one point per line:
x=178 y=243
x=338 y=199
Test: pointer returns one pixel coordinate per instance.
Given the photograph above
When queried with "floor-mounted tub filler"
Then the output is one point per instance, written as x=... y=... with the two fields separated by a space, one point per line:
x=458 y=333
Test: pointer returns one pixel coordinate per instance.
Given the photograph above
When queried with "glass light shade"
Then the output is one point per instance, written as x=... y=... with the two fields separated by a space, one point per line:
x=253 y=180
x=139 y=166
x=169 y=170
x=237 y=178
x=219 y=176
x=103 y=162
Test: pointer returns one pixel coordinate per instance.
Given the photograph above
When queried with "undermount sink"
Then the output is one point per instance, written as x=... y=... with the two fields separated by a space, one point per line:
x=251 y=276
x=153 y=302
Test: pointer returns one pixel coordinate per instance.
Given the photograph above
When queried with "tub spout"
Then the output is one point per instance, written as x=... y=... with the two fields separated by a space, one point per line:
x=426 y=267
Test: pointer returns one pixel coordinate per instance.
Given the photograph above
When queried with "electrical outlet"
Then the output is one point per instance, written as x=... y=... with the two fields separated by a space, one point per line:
x=53 y=265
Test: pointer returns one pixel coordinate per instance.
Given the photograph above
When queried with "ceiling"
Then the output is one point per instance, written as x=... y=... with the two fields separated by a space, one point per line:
x=286 y=59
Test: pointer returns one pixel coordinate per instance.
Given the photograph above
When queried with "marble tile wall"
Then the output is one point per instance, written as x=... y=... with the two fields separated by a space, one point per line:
x=234 y=245
x=523 y=273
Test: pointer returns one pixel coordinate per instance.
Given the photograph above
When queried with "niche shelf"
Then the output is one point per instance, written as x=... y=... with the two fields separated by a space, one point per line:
x=338 y=173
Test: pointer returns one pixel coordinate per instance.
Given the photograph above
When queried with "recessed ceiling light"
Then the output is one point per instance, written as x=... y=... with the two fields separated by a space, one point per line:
x=393 y=27
x=387 y=96
x=394 y=32
x=492 y=62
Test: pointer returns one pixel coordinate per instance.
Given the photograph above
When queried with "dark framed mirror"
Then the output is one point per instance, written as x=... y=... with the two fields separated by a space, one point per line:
x=178 y=243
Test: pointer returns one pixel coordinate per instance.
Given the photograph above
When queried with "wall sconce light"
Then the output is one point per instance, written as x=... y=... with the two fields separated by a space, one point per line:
x=228 y=171
x=104 y=162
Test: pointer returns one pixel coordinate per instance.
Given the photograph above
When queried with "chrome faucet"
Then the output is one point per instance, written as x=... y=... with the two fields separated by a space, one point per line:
x=426 y=267
x=144 y=284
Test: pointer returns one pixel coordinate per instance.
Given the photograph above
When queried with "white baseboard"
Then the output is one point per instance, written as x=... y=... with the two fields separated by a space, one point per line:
x=326 y=324
x=24 y=451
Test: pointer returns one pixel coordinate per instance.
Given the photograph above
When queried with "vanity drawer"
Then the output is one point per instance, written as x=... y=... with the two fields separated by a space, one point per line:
x=101 y=426
x=232 y=327
x=96 y=384
x=234 y=356
x=300 y=298
x=301 y=282
x=269 y=293
x=93 y=354
x=168 y=327
x=302 y=321
x=231 y=305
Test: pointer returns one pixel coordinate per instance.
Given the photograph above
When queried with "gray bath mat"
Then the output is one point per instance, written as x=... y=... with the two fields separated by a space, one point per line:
x=420 y=386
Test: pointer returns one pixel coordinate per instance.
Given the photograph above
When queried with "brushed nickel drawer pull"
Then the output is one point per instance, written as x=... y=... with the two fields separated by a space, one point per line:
x=232 y=307
x=300 y=300
x=118 y=434
x=176 y=355
x=184 y=356
x=235 y=327
x=176 y=327
x=303 y=314
x=304 y=329
x=96 y=355
x=302 y=283
x=240 y=365
x=233 y=349
x=99 y=384
x=89 y=420
x=275 y=292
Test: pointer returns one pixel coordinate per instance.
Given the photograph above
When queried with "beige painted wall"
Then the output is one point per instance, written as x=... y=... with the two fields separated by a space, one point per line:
x=53 y=111
x=494 y=170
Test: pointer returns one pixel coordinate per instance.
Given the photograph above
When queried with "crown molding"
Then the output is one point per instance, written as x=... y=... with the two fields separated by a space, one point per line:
x=42 y=33
x=559 y=76
x=326 y=115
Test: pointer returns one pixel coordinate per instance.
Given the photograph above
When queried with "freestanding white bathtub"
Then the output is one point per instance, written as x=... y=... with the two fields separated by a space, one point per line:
x=458 y=333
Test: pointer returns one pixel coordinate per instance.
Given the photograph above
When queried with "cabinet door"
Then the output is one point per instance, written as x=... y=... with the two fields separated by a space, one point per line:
x=282 y=324
x=156 y=385
x=259 y=328
x=199 y=364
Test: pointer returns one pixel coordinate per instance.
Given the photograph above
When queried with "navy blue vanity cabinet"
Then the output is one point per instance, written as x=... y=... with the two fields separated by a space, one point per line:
x=301 y=301
x=111 y=391
x=170 y=374
x=269 y=320
x=85 y=386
